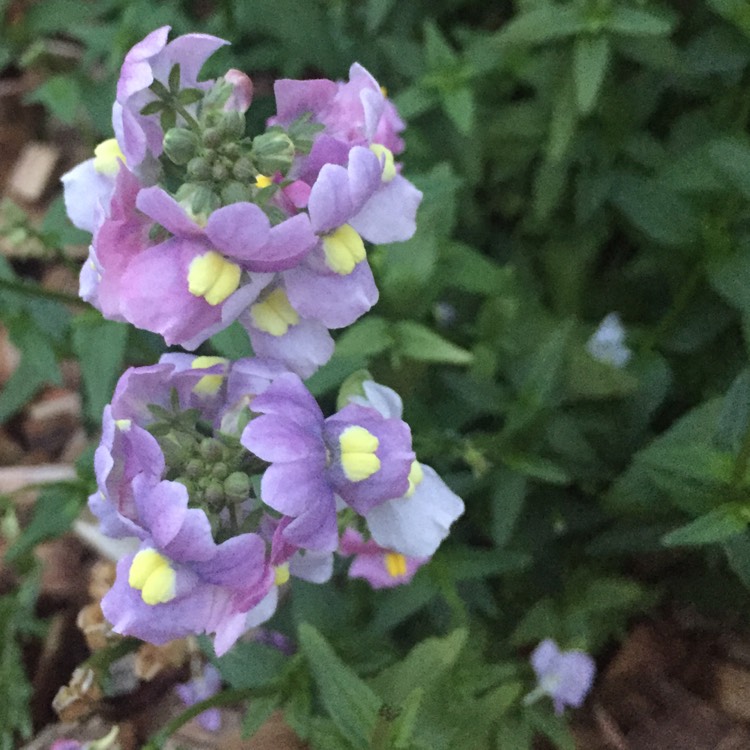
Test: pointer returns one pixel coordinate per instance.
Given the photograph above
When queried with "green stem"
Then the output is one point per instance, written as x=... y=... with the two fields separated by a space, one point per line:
x=225 y=698
x=34 y=290
x=684 y=293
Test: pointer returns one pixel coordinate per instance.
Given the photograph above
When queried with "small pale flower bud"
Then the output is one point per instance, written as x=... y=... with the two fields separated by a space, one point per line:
x=211 y=449
x=194 y=468
x=180 y=145
x=242 y=90
x=237 y=487
x=199 y=168
x=214 y=493
x=220 y=470
x=273 y=152
x=234 y=192
x=243 y=169
x=212 y=137
x=219 y=172
x=232 y=125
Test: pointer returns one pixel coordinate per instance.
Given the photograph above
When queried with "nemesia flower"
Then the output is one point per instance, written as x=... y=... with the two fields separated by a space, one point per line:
x=356 y=454
x=416 y=523
x=607 y=344
x=108 y=742
x=202 y=686
x=379 y=566
x=152 y=59
x=565 y=676
x=181 y=581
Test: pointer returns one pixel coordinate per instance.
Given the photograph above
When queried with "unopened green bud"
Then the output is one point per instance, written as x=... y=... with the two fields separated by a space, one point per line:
x=220 y=171
x=212 y=137
x=232 y=151
x=220 y=470
x=234 y=192
x=180 y=145
x=211 y=449
x=199 y=168
x=273 y=151
x=237 y=487
x=204 y=201
x=214 y=494
x=194 y=468
x=232 y=124
x=243 y=169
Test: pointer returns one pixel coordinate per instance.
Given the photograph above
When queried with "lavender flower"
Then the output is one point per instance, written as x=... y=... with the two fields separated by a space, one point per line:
x=357 y=454
x=566 y=676
x=379 y=566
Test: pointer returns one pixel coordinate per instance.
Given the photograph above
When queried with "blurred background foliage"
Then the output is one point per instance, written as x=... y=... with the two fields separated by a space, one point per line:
x=576 y=158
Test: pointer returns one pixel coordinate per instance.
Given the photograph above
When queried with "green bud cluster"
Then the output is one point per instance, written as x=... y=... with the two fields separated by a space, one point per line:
x=215 y=470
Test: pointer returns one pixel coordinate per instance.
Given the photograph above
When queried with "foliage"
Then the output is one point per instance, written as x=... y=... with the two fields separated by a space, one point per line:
x=576 y=158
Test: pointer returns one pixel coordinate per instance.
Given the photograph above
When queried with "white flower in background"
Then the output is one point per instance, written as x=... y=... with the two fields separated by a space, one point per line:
x=607 y=344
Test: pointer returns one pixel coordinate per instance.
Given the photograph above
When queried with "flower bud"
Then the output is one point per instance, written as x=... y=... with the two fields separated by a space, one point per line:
x=212 y=137
x=219 y=470
x=194 y=468
x=219 y=171
x=232 y=125
x=273 y=151
x=214 y=494
x=199 y=168
x=243 y=169
x=242 y=90
x=211 y=449
x=180 y=145
x=237 y=487
x=204 y=201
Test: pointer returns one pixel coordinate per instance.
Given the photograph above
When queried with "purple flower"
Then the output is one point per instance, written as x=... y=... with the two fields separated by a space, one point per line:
x=203 y=686
x=181 y=582
x=357 y=454
x=152 y=59
x=379 y=566
x=355 y=112
x=416 y=523
x=607 y=344
x=566 y=676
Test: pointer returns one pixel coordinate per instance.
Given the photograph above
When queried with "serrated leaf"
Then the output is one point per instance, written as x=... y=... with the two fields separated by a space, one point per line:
x=421 y=668
x=590 y=59
x=351 y=704
x=636 y=22
x=416 y=341
x=543 y=24
x=716 y=526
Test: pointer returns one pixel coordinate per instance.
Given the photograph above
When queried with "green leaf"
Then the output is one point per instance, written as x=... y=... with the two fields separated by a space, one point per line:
x=590 y=58
x=716 y=526
x=367 y=337
x=439 y=53
x=732 y=157
x=514 y=734
x=467 y=564
x=543 y=24
x=422 y=668
x=737 y=550
x=459 y=106
x=38 y=366
x=232 y=343
x=55 y=509
x=403 y=727
x=100 y=347
x=662 y=215
x=507 y=503
x=267 y=665
x=351 y=704
x=564 y=118
x=636 y=22
x=61 y=95
x=553 y=727
x=416 y=341
x=376 y=13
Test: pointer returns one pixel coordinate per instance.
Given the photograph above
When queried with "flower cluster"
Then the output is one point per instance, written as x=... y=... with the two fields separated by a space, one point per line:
x=227 y=474
x=267 y=229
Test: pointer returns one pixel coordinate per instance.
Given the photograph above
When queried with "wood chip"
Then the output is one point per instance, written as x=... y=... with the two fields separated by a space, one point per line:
x=33 y=172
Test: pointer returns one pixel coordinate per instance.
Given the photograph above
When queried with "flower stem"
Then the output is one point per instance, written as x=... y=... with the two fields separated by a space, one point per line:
x=225 y=698
x=34 y=290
